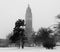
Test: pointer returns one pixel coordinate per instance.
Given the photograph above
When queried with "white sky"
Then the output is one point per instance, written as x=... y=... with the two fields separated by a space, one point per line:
x=43 y=11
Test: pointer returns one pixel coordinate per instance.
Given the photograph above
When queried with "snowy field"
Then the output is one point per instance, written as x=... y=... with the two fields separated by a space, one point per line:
x=29 y=49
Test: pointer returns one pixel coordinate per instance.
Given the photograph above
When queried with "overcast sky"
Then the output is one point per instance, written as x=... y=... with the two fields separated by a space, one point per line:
x=43 y=11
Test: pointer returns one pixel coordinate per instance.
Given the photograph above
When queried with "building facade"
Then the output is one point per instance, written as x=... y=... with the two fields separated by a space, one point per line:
x=28 y=19
x=28 y=27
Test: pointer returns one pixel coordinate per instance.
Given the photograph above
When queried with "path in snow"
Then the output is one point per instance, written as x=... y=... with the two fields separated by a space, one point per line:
x=29 y=49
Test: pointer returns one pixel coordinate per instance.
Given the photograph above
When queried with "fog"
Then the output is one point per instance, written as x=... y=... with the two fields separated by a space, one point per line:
x=43 y=11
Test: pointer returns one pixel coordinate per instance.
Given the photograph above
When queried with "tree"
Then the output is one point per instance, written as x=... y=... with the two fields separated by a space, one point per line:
x=58 y=16
x=44 y=35
x=57 y=29
x=18 y=33
x=9 y=35
x=34 y=38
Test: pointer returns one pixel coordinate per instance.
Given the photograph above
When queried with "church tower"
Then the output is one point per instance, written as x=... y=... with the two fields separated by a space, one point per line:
x=28 y=18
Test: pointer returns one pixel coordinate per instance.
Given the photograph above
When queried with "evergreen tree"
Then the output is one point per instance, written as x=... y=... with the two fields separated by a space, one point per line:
x=18 y=35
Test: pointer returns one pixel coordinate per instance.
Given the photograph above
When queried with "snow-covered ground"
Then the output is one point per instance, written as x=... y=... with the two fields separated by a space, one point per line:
x=29 y=49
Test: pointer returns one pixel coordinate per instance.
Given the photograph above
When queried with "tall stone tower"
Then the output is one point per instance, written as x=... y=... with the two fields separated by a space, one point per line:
x=28 y=18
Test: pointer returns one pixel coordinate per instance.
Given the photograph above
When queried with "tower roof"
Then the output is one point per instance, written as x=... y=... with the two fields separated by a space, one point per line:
x=28 y=8
x=28 y=5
